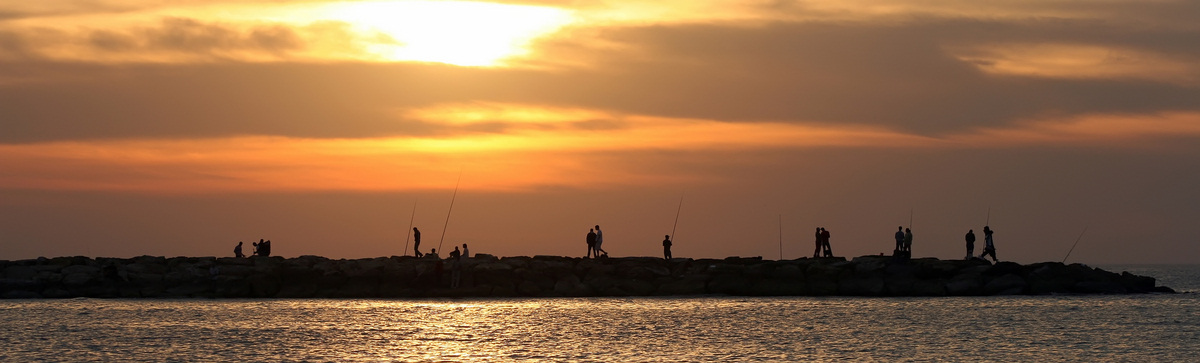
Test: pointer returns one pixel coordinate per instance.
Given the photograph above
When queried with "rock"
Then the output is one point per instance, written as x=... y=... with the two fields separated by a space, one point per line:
x=929 y=287
x=1136 y=283
x=788 y=272
x=21 y=294
x=1005 y=268
x=570 y=285
x=1009 y=284
x=869 y=265
x=862 y=286
x=20 y=273
x=484 y=275
x=528 y=288
x=728 y=285
x=687 y=286
x=775 y=287
x=965 y=285
x=900 y=285
x=262 y=285
x=1099 y=287
x=635 y=287
x=78 y=279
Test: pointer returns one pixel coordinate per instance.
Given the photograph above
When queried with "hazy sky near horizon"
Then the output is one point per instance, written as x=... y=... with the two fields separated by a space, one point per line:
x=136 y=127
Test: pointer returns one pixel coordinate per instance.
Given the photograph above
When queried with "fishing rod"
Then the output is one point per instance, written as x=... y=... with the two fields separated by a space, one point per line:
x=408 y=232
x=989 y=217
x=447 y=224
x=1085 y=228
x=910 y=218
x=677 y=210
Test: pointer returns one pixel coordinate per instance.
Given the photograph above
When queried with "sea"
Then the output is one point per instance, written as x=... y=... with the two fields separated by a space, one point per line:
x=1065 y=328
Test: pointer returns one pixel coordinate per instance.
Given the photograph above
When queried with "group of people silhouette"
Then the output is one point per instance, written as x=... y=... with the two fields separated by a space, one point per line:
x=595 y=239
x=988 y=247
x=904 y=238
x=822 y=243
x=456 y=254
x=261 y=248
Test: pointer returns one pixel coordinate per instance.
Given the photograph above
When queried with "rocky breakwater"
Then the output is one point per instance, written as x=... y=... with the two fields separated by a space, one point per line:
x=488 y=276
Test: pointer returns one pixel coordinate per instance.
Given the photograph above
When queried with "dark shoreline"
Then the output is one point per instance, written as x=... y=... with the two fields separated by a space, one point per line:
x=548 y=276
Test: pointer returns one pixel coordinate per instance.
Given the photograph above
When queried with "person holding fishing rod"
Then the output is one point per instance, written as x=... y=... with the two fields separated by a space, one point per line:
x=667 y=247
x=988 y=247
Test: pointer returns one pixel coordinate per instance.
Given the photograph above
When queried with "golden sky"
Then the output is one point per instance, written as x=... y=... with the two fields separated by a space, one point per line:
x=812 y=111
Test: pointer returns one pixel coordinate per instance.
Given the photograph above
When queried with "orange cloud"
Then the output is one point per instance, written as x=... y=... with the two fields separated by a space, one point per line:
x=1098 y=129
x=544 y=147
x=1079 y=61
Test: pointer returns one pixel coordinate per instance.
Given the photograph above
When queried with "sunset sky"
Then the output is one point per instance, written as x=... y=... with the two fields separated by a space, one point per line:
x=178 y=128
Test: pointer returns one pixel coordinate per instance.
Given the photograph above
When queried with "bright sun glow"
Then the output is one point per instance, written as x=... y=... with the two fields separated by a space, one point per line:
x=455 y=32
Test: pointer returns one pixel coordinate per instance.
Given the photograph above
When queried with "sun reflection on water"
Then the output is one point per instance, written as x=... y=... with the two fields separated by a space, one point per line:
x=1090 y=328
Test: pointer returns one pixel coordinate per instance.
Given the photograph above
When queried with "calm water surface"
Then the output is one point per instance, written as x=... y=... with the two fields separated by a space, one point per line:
x=1041 y=328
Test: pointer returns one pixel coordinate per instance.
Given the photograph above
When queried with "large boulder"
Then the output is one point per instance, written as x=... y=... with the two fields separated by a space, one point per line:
x=776 y=287
x=862 y=286
x=690 y=285
x=965 y=284
x=1009 y=284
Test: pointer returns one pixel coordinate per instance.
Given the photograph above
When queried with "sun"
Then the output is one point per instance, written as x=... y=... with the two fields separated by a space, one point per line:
x=463 y=33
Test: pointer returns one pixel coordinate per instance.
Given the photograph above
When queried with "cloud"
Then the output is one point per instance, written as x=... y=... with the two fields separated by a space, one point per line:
x=541 y=147
x=1081 y=62
x=923 y=74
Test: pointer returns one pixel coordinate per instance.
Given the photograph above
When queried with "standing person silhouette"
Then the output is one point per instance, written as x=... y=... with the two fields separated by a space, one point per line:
x=970 y=244
x=591 y=242
x=667 y=247
x=988 y=247
x=237 y=251
x=466 y=252
x=817 y=241
x=908 y=237
x=416 y=242
x=825 y=242
x=599 y=242
x=900 y=239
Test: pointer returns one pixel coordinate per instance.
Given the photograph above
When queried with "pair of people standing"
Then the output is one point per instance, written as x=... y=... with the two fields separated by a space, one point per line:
x=822 y=241
x=904 y=238
x=595 y=238
x=988 y=247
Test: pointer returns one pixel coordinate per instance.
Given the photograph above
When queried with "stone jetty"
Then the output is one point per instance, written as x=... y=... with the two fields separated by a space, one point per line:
x=547 y=276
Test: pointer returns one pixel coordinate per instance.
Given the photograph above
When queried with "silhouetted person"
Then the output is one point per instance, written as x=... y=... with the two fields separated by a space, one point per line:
x=455 y=253
x=970 y=244
x=599 y=242
x=257 y=246
x=817 y=241
x=988 y=247
x=416 y=242
x=432 y=253
x=908 y=241
x=466 y=252
x=667 y=247
x=825 y=242
x=900 y=239
x=591 y=242
x=265 y=248
x=237 y=251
